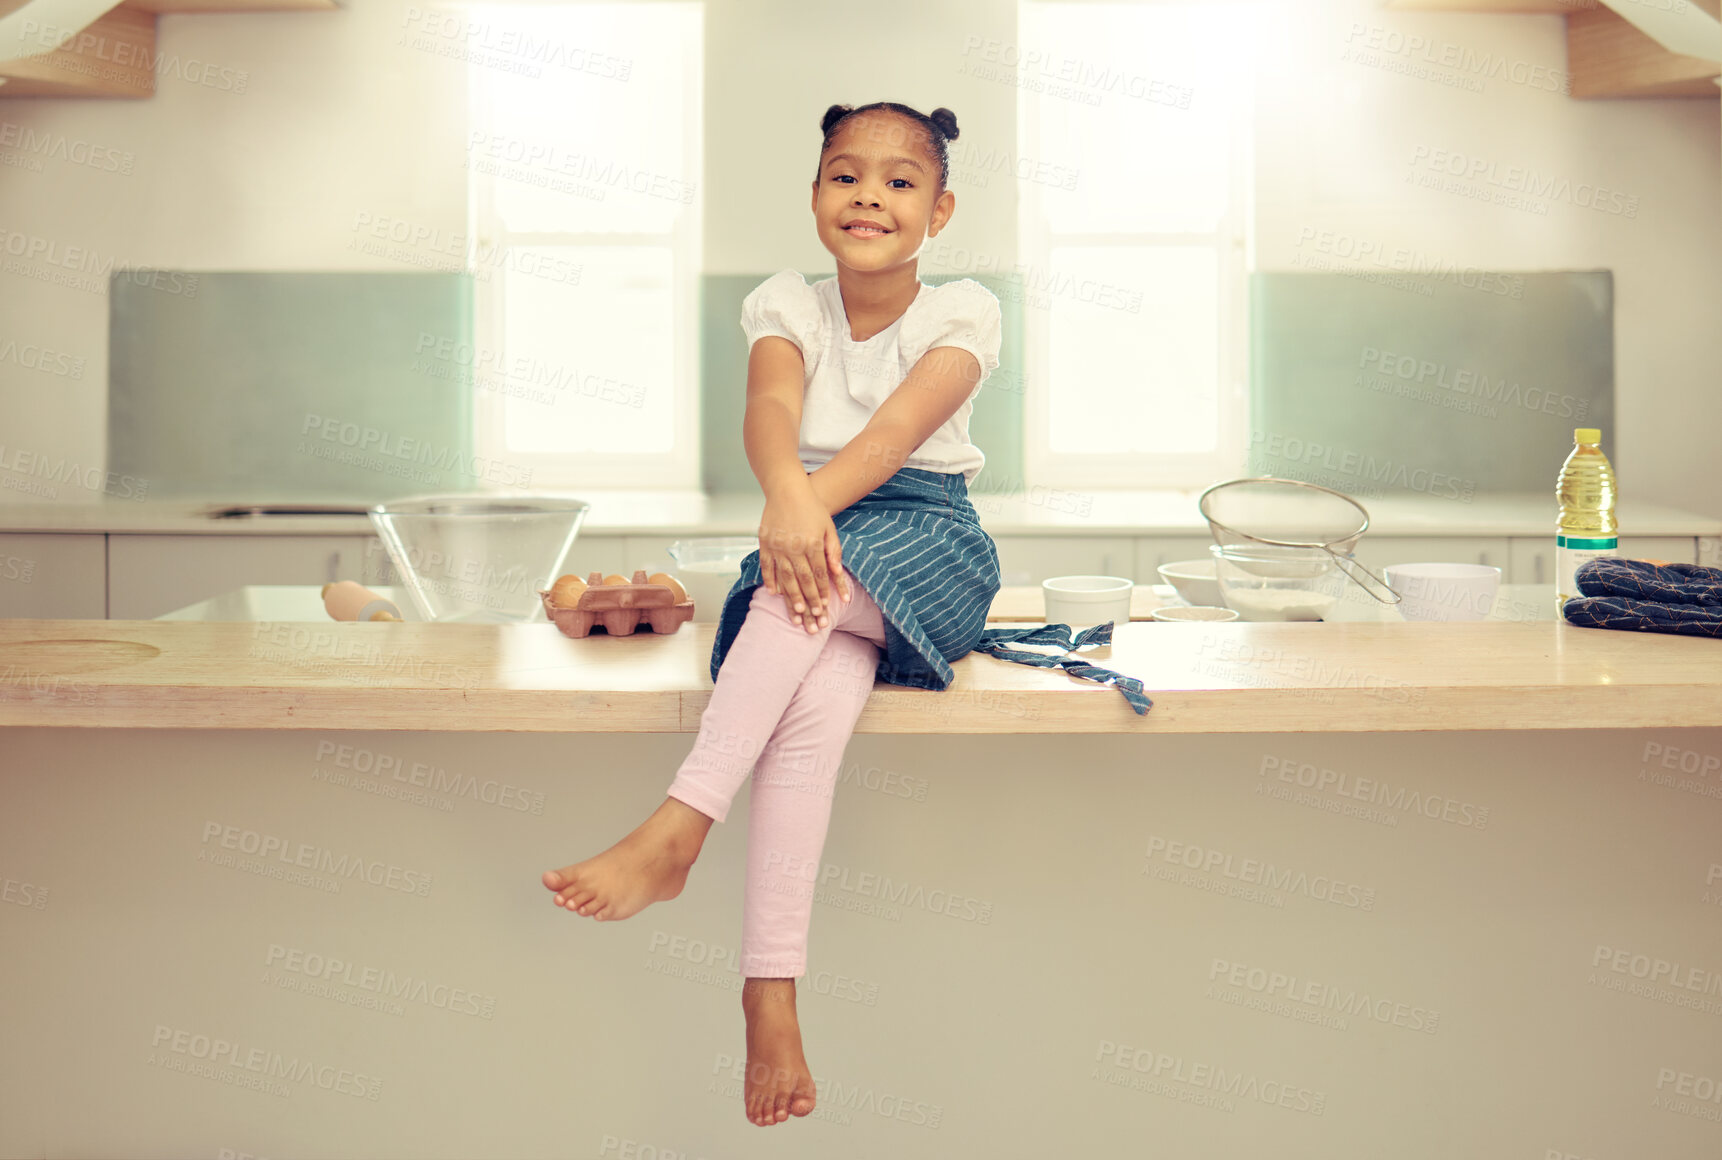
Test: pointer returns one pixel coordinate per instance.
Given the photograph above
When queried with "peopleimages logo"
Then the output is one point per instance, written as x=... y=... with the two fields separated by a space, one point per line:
x=1257 y=873
x=266 y=1064
x=1274 y=448
x=1463 y=62
x=1520 y=179
x=1686 y=977
x=1689 y=988
x=1350 y=254
x=1464 y=381
x=59 y=147
x=1326 y=996
x=1215 y=1078
x=1365 y=789
x=874 y=887
x=334 y=970
x=1686 y=1093
x=432 y=778
x=305 y=856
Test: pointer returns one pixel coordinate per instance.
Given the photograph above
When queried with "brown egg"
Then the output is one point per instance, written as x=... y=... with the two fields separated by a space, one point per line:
x=614 y=578
x=670 y=582
x=565 y=593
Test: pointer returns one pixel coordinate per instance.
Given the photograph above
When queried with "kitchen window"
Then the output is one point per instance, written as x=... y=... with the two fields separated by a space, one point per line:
x=1133 y=124
x=584 y=155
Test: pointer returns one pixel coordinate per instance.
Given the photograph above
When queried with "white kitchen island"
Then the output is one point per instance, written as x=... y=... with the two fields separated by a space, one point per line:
x=1349 y=890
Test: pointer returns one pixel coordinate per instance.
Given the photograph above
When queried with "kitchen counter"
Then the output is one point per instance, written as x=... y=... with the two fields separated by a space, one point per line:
x=1034 y=512
x=1015 y=604
x=1204 y=678
x=1335 y=869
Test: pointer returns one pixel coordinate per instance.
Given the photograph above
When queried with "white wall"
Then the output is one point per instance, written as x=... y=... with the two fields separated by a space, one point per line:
x=340 y=118
x=1335 y=139
x=335 y=120
x=774 y=67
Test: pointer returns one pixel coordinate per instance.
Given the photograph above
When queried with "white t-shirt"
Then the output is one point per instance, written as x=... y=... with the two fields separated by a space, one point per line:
x=848 y=380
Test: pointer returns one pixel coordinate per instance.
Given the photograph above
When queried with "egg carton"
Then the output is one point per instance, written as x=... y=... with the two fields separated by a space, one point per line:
x=619 y=609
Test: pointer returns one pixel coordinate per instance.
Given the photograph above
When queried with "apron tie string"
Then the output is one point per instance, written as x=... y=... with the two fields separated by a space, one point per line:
x=993 y=641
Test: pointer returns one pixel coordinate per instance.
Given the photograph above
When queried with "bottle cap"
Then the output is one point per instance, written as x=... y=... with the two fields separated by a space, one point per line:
x=1587 y=435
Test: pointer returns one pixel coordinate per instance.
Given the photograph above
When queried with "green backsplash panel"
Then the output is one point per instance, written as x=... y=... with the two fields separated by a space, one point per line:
x=995 y=426
x=231 y=389
x=1445 y=386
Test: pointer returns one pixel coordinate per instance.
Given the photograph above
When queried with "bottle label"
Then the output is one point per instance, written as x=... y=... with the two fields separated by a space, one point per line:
x=1573 y=551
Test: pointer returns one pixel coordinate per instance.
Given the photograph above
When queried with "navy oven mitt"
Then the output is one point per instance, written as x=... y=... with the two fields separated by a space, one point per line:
x=1646 y=597
x=993 y=642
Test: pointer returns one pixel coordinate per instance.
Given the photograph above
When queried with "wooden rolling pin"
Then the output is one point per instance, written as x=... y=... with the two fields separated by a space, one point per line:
x=350 y=600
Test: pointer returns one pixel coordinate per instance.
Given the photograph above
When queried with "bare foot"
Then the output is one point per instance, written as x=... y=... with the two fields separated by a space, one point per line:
x=649 y=865
x=778 y=1082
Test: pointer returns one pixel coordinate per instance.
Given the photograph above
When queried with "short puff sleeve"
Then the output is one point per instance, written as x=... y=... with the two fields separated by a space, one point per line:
x=784 y=305
x=962 y=314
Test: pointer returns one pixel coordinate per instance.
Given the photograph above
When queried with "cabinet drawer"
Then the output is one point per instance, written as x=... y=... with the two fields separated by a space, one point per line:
x=1674 y=549
x=48 y=576
x=1534 y=559
x=1031 y=559
x=150 y=575
x=649 y=552
x=1153 y=551
x=1377 y=552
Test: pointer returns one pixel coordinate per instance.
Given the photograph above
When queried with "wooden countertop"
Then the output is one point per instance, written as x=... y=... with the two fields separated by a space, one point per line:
x=1219 y=678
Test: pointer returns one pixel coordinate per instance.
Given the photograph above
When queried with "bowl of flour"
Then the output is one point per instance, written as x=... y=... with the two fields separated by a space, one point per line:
x=1263 y=582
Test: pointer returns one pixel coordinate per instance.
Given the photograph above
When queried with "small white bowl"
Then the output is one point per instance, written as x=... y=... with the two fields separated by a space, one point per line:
x=1196 y=612
x=1444 y=591
x=1194 y=580
x=1087 y=600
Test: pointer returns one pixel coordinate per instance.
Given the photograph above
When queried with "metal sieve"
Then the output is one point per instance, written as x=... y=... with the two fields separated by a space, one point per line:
x=1289 y=513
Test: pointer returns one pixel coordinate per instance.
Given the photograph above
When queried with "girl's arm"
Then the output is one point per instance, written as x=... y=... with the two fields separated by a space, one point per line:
x=771 y=428
x=798 y=549
x=935 y=388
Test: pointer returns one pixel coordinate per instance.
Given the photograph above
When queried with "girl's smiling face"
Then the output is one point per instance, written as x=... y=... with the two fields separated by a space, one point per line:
x=878 y=169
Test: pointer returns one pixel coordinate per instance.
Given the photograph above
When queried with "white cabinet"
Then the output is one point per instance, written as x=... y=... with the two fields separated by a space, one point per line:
x=1031 y=559
x=649 y=552
x=150 y=575
x=1377 y=552
x=1153 y=551
x=1674 y=549
x=1534 y=558
x=50 y=577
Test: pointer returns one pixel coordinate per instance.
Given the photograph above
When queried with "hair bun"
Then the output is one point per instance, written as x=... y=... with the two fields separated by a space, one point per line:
x=833 y=115
x=946 y=121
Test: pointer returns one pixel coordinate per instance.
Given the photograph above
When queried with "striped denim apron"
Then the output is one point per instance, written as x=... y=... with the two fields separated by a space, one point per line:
x=916 y=544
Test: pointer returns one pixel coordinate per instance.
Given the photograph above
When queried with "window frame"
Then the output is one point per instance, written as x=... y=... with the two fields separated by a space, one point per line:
x=1232 y=243
x=679 y=466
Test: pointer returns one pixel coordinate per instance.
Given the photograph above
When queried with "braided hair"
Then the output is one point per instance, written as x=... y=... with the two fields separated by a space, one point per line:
x=940 y=127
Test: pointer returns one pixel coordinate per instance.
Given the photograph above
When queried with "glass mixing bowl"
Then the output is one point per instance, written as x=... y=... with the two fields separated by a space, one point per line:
x=475 y=558
x=1263 y=582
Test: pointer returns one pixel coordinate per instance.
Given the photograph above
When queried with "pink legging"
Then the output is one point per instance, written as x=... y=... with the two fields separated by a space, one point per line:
x=784 y=706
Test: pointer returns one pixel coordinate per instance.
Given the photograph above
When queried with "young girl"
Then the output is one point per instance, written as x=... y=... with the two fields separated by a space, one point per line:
x=859 y=391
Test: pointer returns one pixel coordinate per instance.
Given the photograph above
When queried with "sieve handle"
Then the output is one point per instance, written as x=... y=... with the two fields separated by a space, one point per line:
x=1346 y=566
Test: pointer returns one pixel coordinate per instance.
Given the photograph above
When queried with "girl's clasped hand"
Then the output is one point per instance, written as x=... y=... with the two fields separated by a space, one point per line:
x=799 y=553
